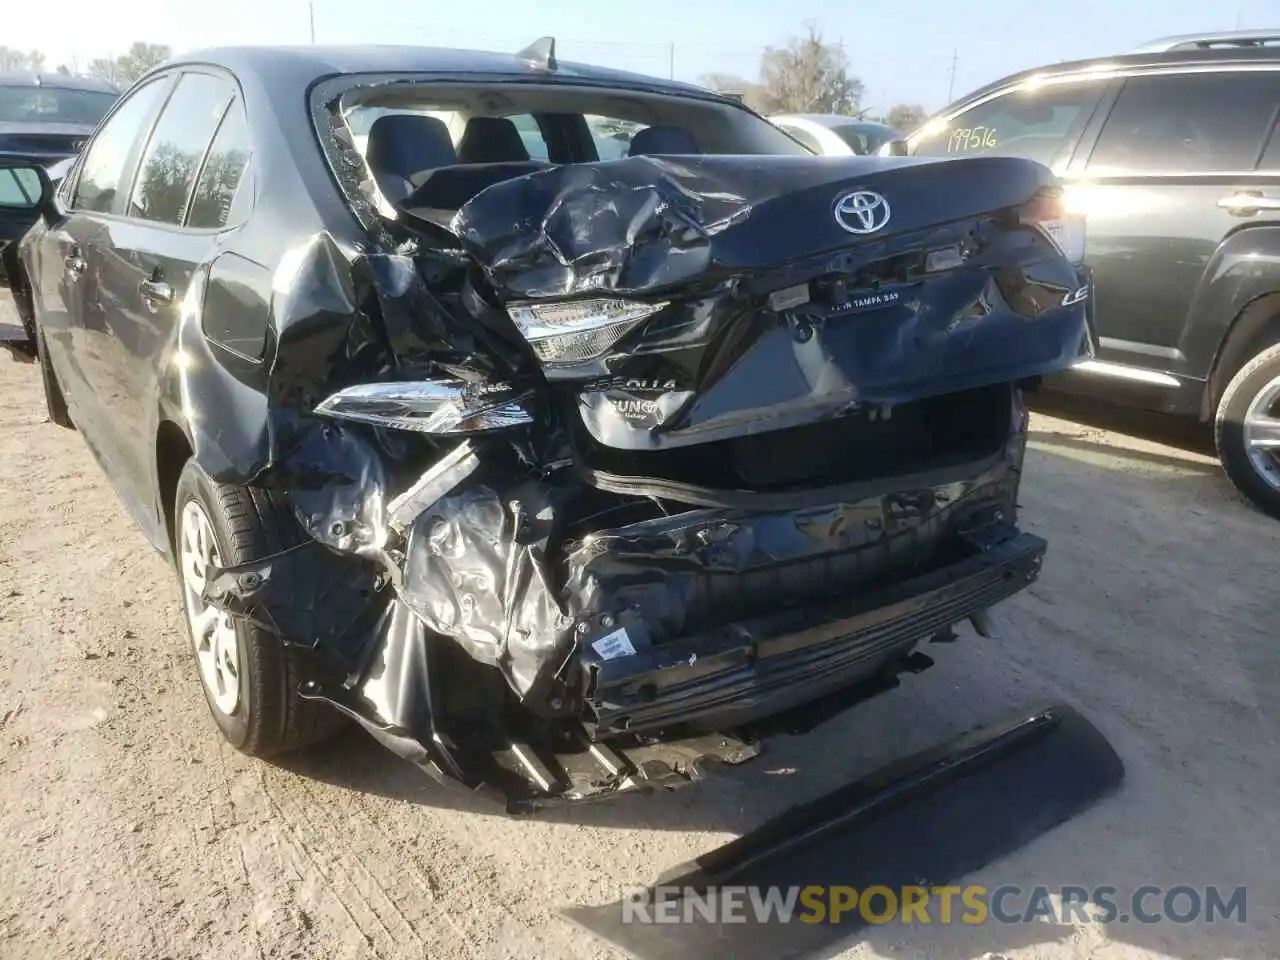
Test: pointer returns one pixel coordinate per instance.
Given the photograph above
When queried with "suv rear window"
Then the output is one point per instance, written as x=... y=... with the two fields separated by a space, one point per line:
x=1039 y=124
x=1190 y=123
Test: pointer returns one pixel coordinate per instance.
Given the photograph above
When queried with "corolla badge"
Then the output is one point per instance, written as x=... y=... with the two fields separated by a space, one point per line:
x=861 y=211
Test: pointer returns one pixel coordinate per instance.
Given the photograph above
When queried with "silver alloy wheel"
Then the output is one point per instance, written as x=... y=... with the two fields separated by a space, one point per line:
x=212 y=631
x=1262 y=434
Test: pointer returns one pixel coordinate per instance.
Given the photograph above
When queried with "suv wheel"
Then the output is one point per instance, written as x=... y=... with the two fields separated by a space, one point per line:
x=250 y=678
x=1247 y=430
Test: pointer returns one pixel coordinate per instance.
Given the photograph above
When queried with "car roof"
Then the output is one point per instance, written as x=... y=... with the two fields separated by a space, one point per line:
x=56 y=81
x=308 y=63
x=1141 y=59
x=821 y=119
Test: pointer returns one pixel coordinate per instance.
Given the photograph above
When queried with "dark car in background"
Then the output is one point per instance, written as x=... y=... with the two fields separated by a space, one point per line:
x=559 y=474
x=44 y=118
x=1173 y=154
x=49 y=116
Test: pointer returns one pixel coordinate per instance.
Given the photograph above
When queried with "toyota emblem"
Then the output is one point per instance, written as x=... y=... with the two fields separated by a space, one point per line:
x=861 y=211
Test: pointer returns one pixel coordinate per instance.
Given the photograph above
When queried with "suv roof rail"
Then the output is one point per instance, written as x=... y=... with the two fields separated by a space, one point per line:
x=1209 y=41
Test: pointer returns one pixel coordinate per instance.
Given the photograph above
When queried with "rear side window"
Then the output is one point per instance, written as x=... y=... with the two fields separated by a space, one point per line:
x=1039 y=124
x=103 y=173
x=1190 y=123
x=223 y=172
x=171 y=161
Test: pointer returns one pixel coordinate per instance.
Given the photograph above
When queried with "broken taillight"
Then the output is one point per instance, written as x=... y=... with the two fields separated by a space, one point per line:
x=567 y=333
x=1048 y=212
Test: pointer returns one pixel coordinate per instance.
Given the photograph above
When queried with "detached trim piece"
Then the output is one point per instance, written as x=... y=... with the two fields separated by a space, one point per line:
x=926 y=820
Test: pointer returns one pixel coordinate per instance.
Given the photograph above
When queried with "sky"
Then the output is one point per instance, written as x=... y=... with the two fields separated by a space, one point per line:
x=903 y=52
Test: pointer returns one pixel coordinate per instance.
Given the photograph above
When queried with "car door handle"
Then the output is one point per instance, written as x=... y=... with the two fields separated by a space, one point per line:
x=74 y=264
x=156 y=291
x=1245 y=204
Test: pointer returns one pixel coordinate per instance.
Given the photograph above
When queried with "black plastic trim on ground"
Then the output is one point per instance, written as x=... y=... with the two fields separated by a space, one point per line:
x=923 y=821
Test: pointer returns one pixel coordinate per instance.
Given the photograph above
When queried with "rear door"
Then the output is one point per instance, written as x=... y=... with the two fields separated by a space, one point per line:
x=1174 y=146
x=178 y=206
x=72 y=307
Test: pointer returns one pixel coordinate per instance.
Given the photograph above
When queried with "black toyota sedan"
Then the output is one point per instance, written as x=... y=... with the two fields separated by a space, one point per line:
x=557 y=474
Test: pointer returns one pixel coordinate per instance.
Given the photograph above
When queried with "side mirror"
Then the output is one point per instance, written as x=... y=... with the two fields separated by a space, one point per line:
x=25 y=187
x=894 y=148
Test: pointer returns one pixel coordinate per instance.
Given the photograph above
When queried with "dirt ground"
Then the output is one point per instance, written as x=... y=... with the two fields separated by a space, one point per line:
x=128 y=830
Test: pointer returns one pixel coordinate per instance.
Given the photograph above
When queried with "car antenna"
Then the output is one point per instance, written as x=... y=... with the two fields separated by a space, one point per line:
x=541 y=54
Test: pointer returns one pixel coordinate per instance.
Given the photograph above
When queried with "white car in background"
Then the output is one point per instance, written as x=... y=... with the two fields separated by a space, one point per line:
x=834 y=135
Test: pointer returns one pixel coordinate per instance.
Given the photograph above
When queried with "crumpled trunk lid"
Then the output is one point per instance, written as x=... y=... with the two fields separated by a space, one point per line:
x=785 y=290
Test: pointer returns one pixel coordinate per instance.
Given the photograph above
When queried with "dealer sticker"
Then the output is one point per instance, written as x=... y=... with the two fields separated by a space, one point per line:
x=614 y=645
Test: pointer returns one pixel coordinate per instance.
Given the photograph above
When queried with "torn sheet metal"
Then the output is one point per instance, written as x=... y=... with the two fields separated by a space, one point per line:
x=766 y=312
x=308 y=596
x=477 y=570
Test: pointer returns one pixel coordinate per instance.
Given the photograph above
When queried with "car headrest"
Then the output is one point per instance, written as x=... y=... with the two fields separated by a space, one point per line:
x=662 y=140
x=448 y=188
x=491 y=140
x=401 y=145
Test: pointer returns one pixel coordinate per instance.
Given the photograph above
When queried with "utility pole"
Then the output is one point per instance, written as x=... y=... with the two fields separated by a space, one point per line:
x=671 y=61
x=311 y=16
x=951 y=83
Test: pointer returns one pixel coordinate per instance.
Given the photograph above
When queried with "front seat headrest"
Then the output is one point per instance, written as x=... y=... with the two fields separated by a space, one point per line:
x=662 y=140
x=491 y=140
x=403 y=144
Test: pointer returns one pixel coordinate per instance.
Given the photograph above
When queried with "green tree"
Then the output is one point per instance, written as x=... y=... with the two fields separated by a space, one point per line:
x=128 y=67
x=11 y=59
x=809 y=75
x=905 y=116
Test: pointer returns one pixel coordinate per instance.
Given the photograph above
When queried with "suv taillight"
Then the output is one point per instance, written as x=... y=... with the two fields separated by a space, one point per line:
x=1048 y=212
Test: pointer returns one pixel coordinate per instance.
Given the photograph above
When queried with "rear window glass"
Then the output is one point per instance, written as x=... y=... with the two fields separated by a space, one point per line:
x=31 y=104
x=612 y=136
x=1193 y=123
x=1041 y=124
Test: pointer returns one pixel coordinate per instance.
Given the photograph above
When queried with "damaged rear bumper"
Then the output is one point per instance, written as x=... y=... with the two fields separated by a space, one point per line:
x=757 y=668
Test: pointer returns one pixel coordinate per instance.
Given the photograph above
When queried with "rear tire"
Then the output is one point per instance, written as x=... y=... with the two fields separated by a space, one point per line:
x=1249 y=414
x=250 y=678
x=54 y=402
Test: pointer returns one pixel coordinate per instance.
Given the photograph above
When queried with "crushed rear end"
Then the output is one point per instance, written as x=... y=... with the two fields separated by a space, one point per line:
x=626 y=465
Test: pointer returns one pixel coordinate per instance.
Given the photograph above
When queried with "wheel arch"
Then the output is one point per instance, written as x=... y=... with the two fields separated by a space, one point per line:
x=173 y=450
x=1253 y=329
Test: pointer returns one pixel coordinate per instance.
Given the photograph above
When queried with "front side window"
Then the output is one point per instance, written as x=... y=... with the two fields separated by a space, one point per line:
x=1191 y=123
x=612 y=136
x=172 y=158
x=1040 y=124
x=223 y=173
x=103 y=172
x=531 y=135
